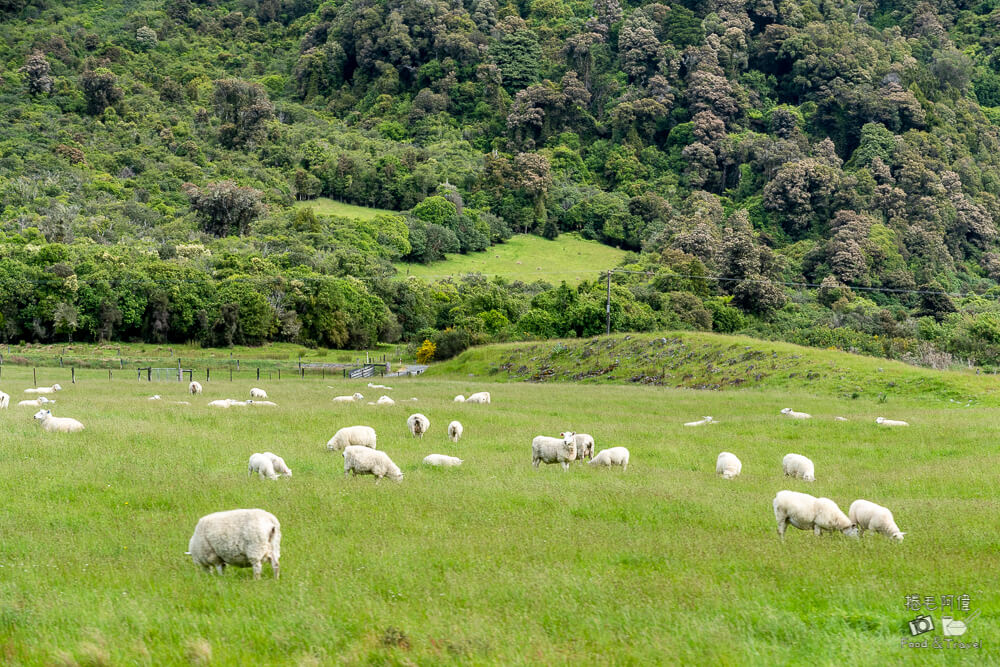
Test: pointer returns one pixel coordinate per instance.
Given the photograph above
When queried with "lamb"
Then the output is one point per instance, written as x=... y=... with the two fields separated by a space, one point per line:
x=455 y=431
x=418 y=424
x=257 y=393
x=807 y=512
x=43 y=390
x=460 y=399
x=788 y=412
x=379 y=386
x=890 y=422
x=479 y=397
x=728 y=465
x=4 y=400
x=613 y=456
x=261 y=404
x=796 y=465
x=194 y=387
x=58 y=424
x=348 y=399
x=584 y=446
x=262 y=465
x=241 y=538
x=35 y=402
x=385 y=400
x=361 y=436
x=701 y=422
x=554 y=450
x=442 y=460
x=280 y=467
x=869 y=516
x=364 y=461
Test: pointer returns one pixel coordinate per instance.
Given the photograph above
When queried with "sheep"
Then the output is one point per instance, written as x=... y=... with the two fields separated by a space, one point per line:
x=181 y=402
x=364 y=461
x=455 y=431
x=796 y=465
x=155 y=397
x=584 y=446
x=35 y=402
x=257 y=393
x=363 y=436
x=58 y=424
x=460 y=399
x=728 y=465
x=479 y=397
x=280 y=467
x=261 y=404
x=418 y=424
x=442 y=460
x=262 y=465
x=233 y=403
x=379 y=386
x=807 y=512
x=554 y=450
x=385 y=400
x=4 y=400
x=241 y=538
x=43 y=390
x=701 y=422
x=840 y=419
x=194 y=387
x=788 y=412
x=613 y=456
x=890 y=422
x=869 y=516
x=220 y=403
x=348 y=399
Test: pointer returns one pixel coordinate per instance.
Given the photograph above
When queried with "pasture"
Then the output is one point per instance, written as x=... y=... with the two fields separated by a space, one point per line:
x=332 y=207
x=492 y=562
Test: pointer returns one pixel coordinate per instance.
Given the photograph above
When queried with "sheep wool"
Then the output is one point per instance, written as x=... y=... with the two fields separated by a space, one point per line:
x=257 y=393
x=548 y=450
x=584 y=446
x=241 y=538
x=362 y=436
x=261 y=404
x=807 y=512
x=348 y=399
x=58 y=424
x=479 y=397
x=418 y=424
x=890 y=422
x=4 y=400
x=460 y=399
x=365 y=461
x=798 y=466
x=262 y=465
x=728 y=465
x=195 y=387
x=385 y=400
x=442 y=460
x=43 y=390
x=280 y=467
x=869 y=516
x=788 y=412
x=455 y=431
x=613 y=456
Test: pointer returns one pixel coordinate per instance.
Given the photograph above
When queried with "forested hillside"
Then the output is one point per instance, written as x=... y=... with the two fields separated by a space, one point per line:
x=151 y=154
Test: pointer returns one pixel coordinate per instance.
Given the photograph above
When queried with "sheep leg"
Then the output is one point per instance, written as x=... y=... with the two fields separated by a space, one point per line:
x=534 y=463
x=565 y=465
x=817 y=531
x=782 y=526
x=274 y=566
x=256 y=569
x=220 y=568
x=624 y=467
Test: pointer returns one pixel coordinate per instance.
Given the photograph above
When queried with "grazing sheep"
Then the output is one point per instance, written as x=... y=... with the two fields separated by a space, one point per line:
x=257 y=393
x=348 y=399
x=554 y=450
x=418 y=424
x=479 y=397
x=43 y=390
x=194 y=387
x=35 y=402
x=261 y=404
x=262 y=465
x=385 y=400
x=58 y=424
x=788 y=412
x=364 y=461
x=460 y=399
x=807 y=512
x=155 y=397
x=241 y=538
x=362 y=436
x=584 y=446
x=379 y=386
x=442 y=460
x=280 y=467
x=613 y=456
x=701 y=422
x=796 y=465
x=890 y=422
x=728 y=465
x=869 y=516
x=4 y=400
x=455 y=431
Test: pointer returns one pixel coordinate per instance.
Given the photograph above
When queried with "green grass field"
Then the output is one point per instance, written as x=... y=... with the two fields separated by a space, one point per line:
x=493 y=562
x=526 y=257
x=326 y=206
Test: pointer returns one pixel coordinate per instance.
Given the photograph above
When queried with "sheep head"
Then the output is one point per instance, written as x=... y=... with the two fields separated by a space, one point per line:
x=43 y=414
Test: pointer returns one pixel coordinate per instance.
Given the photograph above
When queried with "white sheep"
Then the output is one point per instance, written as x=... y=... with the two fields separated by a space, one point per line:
x=280 y=467
x=728 y=465
x=788 y=412
x=261 y=404
x=348 y=399
x=584 y=446
x=418 y=424
x=155 y=397
x=479 y=397
x=58 y=424
x=221 y=403
x=554 y=450
x=701 y=422
x=365 y=461
x=43 y=390
x=807 y=512
x=262 y=465
x=613 y=456
x=241 y=538
x=840 y=419
x=442 y=460
x=379 y=386
x=798 y=466
x=460 y=399
x=869 y=516
x=362 y=436
x=455 y=431
x=194 y=387
x=385 y=400
x=234 y=403
x=256 y=392
x=4 y=400
x=35 y=402
x=890 y=422
x=181 y=402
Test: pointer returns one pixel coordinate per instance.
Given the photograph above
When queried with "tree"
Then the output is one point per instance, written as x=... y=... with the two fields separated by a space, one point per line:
x=38 y=71
x=65 y=319
x=100 y=88
x=225 y=208
x=244 y=109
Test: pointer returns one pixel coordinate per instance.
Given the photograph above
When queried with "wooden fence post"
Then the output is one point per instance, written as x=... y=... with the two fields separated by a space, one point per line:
x=34 y=377
x=72 y=374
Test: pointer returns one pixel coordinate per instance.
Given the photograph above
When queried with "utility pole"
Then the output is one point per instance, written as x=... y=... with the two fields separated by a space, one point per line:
x=608 y=306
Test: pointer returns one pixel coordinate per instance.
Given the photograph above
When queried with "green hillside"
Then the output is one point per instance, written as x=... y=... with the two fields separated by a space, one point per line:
x=326 y=206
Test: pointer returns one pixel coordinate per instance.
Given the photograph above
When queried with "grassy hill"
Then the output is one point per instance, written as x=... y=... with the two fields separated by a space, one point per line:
x=697 y=360
x=325 y=206
x=569 y=258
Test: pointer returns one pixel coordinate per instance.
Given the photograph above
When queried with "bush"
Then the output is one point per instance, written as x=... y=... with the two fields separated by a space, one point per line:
x=426 y=352
x=451 y=342
x=725 y=318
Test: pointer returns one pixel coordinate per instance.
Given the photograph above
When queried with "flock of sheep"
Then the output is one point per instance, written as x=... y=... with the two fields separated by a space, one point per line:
x=807 y=512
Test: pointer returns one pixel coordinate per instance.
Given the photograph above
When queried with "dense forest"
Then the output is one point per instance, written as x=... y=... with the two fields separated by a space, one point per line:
x=151 y=154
